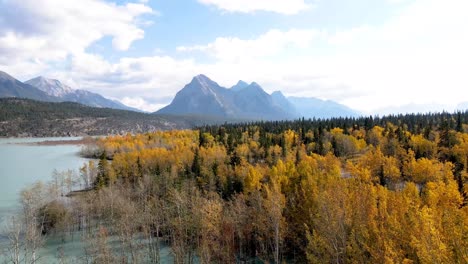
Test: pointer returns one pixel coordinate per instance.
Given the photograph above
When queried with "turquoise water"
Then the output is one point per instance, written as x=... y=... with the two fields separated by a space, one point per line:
x=22 y=164
x=73 y=251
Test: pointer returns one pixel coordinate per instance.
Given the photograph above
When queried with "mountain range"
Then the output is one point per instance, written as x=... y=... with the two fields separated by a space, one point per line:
x=50 y=90
x=11 y=87
x=204 y=97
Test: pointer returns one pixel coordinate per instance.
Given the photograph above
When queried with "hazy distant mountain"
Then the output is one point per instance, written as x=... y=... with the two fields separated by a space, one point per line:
x=65 y=93
x=280 y=100
x=203 y=96
x=414 y=108
x=253 y=102
x=49 y=90
x=462 y=106
x=313 y=107
x=239 y=86
x=11 y=87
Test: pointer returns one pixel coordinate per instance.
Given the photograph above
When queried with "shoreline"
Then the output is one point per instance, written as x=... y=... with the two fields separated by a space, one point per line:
x=81 y=141
x=50 y=141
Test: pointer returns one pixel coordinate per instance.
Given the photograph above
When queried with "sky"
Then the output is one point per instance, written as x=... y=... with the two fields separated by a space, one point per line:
x=375 y=56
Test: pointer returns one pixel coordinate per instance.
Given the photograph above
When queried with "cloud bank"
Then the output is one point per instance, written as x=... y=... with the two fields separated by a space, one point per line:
x=49 y=30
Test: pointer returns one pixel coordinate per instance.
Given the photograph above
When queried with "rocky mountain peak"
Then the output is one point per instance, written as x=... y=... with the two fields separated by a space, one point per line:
x=278 y=94
x=239 y=86
x=50 y=86
x=6 y=76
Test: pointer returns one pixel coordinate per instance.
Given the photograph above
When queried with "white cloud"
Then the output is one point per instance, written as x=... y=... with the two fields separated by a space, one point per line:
x=50 y=30
x=271 y=43
x=347 y=37
x=145 y=82
x=140 y=103
x=286 y=7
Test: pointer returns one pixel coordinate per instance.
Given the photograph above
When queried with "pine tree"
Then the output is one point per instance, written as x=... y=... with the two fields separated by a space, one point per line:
x=102 y=178
x=196 y=166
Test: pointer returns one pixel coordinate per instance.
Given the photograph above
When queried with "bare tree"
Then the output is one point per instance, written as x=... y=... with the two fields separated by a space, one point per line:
x=33 y=199
x=13 y=231
x=88 y=174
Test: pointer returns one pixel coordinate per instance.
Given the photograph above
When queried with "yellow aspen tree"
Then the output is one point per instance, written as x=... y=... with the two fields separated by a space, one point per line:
x=274 y=205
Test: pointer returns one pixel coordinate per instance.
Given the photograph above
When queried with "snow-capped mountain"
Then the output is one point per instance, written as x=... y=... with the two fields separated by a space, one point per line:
x=64 y=92
x=50 y=86
x=11 y=87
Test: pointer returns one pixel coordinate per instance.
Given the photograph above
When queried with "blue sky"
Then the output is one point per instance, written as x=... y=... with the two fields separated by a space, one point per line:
x=187 y=22
x=376 y=56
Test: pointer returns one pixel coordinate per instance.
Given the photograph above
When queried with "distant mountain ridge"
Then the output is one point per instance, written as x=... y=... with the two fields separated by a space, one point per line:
x=280 y=100
x=56 y=88
x=203 y=96
x=11 y=87
x=310 y=107
x=50 y=90
x=50 y=86
x=462 y=106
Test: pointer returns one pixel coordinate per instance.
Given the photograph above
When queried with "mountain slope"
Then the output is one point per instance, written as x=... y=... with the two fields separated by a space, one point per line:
x=50 y=86
x=253 y=102
x=11 y=87
x=65 y=93
x=313 y=107
x=239 y=86
x=462 y=106
x=281 y=101
x=201 y=96
x=25 y=117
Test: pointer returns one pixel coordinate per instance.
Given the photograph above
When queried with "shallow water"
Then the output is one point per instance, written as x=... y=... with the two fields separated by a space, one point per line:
x=22 y=164
x=73 y=250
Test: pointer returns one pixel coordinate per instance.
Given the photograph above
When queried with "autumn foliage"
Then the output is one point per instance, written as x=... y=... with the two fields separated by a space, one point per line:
x=296 y=192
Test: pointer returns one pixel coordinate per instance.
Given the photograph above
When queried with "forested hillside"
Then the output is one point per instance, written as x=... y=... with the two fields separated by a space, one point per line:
x=24 y=117
x=370 y=190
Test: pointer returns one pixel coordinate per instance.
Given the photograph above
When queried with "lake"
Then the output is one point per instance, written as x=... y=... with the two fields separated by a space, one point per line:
x=22 y=163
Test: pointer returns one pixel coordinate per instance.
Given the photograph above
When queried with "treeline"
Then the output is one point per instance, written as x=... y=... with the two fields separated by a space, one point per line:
x=414 y=123
x=18 y=108
x=368 y=190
